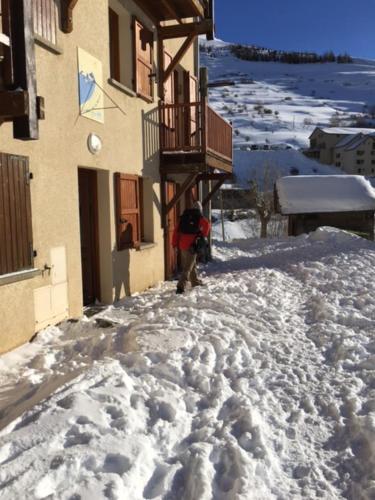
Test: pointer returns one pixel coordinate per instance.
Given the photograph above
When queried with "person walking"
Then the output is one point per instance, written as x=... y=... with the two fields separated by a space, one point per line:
x=187 y=236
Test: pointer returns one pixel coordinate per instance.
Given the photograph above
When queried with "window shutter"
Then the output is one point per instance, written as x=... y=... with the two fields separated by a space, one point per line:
x=45 y=16
x=143 y=57
x=128 y=211
x=114 y=45
x=16 y=246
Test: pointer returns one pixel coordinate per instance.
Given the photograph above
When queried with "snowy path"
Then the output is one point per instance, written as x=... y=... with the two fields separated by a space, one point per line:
x=260 y=385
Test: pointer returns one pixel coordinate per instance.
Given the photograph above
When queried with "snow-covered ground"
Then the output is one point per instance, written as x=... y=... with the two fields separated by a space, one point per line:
x=260 y=385
x=276 y=105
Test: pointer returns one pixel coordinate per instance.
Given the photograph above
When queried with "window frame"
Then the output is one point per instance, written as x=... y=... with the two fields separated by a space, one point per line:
x=114 y=45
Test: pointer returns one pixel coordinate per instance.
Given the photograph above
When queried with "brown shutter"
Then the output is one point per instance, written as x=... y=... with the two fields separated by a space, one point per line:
x=128 y=211
x=45 y=16
x=143 y=58
x=114 y=45
x=15 y=215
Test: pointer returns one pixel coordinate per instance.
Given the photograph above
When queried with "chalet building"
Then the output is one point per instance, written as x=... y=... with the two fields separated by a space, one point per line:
x=351 y=149
x=311 y=201
x=105 y=136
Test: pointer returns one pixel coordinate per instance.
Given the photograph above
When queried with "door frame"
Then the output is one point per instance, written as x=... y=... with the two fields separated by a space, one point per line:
x=94 y=220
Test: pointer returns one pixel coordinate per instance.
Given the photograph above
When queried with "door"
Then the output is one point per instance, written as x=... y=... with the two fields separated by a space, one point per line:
x=169 y=99
x=191 y=96
x=88 y=215
x=171 y=253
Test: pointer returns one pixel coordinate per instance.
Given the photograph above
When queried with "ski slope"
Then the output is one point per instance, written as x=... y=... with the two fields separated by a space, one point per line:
x=277 y=106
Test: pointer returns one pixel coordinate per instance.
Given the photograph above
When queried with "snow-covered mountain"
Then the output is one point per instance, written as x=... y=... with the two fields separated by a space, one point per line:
x=274 y=106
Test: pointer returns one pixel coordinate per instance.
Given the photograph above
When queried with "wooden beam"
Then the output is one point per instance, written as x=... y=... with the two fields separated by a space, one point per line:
x=67 y=7
x=208 y=176
x=213 y=190
x=13 y=104
x=149 y=13
x=185 y=186
x=23 y=55
x=177 y=58
x=184 y=30
x=170 y=7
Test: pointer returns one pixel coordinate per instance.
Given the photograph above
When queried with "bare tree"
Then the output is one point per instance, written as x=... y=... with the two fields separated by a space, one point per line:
x=262 y=192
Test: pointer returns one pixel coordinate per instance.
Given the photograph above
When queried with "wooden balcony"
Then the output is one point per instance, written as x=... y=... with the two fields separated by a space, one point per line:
x=166 y=10
x=194 y=138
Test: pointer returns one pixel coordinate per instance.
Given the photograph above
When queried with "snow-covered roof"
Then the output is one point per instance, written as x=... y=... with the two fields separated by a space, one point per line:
x=344 y=131
x=353 y=141
x=347 y=130
x=346 y=140
x=324 y=193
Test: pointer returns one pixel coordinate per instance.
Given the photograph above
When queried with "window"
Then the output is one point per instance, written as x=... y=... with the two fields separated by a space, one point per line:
x=134 y=205
x=338 y=155
x=45 y=19
x=114 y=45
x=373 y=162
x=16 y=249
x=338 y=164
x=313 y=143
x=359 y=170
x=143 y=56
x=360 y=162
x=360 y=153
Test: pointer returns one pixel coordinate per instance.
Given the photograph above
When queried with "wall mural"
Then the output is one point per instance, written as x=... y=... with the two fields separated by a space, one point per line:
x=90 y=80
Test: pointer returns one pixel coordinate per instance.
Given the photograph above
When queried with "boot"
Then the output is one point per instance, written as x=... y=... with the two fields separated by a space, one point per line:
x=179 y=289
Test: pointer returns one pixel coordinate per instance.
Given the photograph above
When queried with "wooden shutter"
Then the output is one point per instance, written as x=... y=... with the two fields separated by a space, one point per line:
x=143 y=58
x=16 y=247
x=45 y=19
x=128 y=211
x=114 y=45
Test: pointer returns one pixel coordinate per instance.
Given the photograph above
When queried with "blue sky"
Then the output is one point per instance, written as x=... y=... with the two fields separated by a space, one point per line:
x=340 y=25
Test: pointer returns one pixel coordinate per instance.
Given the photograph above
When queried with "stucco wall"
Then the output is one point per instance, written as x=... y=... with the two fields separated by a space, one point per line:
x=130 y=145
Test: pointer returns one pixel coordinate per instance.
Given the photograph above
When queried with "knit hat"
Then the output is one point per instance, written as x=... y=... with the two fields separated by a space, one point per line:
x=198 y=206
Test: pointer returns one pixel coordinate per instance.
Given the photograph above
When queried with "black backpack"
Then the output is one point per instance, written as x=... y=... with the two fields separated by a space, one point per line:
x=189 y=221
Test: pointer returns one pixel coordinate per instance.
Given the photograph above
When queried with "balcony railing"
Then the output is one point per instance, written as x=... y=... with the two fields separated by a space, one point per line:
x=194 y=127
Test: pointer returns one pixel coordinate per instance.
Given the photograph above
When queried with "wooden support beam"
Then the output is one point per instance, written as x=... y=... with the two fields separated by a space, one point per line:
x=23 y=56
x=177 y=58
x=185 y=186
x=213 y=177
x=13 y=104
x=169 y=7
x=67 y=7
x=214 y=190
x=184 y=30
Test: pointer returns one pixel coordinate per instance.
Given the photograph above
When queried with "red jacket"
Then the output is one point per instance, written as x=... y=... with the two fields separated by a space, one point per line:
x=184 y=241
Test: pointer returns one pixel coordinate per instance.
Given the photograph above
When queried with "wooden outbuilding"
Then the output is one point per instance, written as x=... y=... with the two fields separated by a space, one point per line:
x=342 y=201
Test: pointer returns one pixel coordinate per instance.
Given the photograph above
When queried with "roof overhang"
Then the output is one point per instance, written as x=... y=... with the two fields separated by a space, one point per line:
x=168 y=10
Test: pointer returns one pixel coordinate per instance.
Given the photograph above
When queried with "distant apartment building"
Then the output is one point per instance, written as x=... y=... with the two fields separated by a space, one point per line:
x=350 y=149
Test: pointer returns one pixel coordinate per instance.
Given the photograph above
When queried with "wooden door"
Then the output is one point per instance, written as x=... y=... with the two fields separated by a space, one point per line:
x=88 y=214
x=169 y=98
x=171 y=253
x=191 y=96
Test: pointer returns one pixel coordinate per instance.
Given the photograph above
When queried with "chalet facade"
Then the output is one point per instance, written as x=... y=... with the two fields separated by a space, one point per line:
x=105 y=135
x=311 y=201
x=350 y=149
